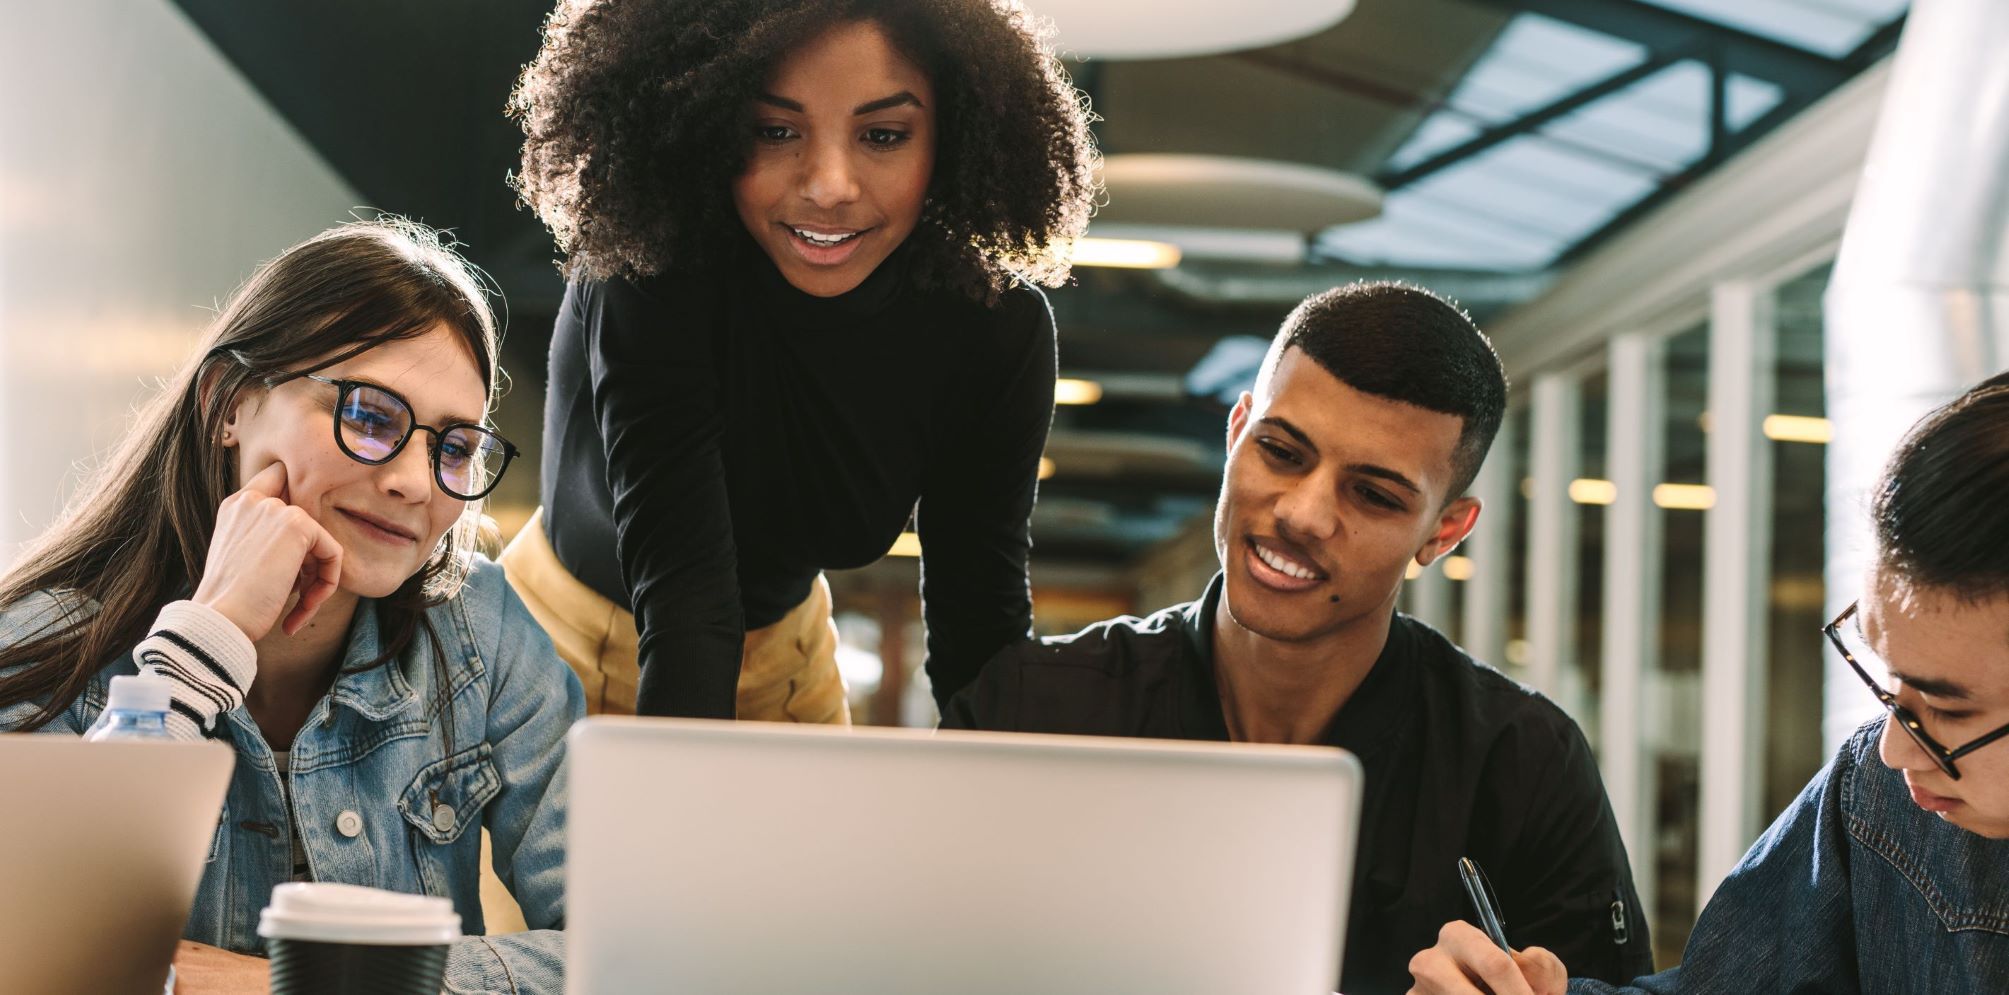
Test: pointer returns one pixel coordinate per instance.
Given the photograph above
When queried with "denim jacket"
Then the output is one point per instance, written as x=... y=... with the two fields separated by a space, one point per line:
x=1853 y=889
x=387 y=796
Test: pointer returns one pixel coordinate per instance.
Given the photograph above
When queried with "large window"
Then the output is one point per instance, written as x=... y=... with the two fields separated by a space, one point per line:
x=1798 y=431
x=1574 y=595
x=1676 y=726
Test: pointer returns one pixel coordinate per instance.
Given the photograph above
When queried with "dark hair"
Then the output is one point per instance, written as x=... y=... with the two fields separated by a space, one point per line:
x=1938 y=506
x=1404 y=343
x=138 y=535
x=634 y=117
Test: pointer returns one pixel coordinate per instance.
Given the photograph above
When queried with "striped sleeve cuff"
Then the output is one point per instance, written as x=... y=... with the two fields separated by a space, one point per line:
x=207 y=657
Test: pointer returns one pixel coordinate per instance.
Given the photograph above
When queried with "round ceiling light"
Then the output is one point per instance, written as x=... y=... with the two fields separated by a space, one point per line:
x=1171 y=29
x=1209 y=191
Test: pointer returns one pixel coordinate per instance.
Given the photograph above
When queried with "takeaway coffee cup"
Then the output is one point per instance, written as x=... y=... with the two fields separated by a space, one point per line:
x=343 y=939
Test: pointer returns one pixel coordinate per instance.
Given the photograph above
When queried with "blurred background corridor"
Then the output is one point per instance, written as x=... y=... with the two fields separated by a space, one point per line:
x=1642 y=201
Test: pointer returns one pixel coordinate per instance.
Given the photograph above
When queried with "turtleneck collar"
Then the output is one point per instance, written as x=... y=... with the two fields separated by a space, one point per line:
x=874 y=295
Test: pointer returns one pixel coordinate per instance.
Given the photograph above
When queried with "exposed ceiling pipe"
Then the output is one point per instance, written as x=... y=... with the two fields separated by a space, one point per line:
x=1918 y=306
x=1483 y=293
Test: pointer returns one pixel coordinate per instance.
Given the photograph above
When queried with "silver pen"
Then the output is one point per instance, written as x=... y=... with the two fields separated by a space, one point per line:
x=1483 y=905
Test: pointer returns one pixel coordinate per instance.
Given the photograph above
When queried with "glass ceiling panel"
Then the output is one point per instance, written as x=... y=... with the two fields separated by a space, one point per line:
x=1437 y=133
x=1515 y=206
x=1518 y=204
x=1830 y=27
x=1532 y=184
x=1412 y=232
x=1750 y=99
x=1522 y=203
x=1536 y=61
x=1663 y=121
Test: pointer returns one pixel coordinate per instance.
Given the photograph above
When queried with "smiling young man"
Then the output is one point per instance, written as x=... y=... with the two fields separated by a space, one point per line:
x=1890 y=872
x=1348 y=462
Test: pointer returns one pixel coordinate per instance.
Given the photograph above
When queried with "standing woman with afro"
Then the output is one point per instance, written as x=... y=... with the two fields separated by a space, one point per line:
x=803 y=241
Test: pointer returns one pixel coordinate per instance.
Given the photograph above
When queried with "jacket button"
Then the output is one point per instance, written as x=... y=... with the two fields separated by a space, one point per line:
x=442 y=817
x=349 y=824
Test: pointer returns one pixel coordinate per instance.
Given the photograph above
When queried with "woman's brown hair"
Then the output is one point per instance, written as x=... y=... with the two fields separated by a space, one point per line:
x=635 y=118
x=138 y=535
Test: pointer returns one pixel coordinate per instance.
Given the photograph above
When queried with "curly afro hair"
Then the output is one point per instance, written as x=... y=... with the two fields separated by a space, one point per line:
x=627 y=108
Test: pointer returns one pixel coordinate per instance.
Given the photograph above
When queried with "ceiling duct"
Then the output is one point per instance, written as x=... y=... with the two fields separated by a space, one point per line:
x=1918 y=307
x=1481 y=292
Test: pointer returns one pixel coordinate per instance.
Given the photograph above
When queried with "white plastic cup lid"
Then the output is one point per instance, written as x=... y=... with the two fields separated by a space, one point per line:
x=139 y=693
x=322 y=912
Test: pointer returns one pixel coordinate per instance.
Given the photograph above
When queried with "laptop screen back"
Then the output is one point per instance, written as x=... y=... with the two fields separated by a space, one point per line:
x=755 y=858
x=104 y=846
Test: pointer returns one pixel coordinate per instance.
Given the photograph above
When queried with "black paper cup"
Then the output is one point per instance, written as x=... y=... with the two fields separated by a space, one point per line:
x=303 y=967
x=340 y=939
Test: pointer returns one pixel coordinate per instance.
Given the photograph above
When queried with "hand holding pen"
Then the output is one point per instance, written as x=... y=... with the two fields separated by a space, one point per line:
x=1469 y=961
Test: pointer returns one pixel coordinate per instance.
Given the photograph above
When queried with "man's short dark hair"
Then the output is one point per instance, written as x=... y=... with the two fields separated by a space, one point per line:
x=1404 y=343
x=1938 y=506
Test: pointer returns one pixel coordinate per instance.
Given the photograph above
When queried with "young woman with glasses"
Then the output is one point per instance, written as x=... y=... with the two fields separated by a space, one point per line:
x=287 y=536
x=804 y=240
x=1890 y=872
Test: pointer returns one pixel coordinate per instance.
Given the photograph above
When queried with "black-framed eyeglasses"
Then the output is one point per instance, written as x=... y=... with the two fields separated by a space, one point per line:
x=1905 y=717
x=372 y=425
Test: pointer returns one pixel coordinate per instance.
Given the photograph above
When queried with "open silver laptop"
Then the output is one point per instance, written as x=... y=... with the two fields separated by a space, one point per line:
x=103 y=846
x=752 y=858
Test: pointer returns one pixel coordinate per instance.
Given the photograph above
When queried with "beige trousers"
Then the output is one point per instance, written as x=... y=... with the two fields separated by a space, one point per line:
x=787 y=671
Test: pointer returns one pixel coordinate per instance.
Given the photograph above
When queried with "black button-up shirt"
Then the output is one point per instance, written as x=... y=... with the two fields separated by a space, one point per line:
x=1460 y=761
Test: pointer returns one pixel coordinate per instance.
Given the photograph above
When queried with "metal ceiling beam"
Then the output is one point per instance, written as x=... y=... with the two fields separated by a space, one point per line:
x=1422 y=103
x=1528 y=122
x=1661 y=29
x=1680 y=181
x=1875 y=47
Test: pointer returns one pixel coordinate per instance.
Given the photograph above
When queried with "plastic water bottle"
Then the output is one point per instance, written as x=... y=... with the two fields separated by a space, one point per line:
x=136 y=709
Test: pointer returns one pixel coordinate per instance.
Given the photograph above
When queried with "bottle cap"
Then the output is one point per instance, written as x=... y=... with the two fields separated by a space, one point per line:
x=139 y=693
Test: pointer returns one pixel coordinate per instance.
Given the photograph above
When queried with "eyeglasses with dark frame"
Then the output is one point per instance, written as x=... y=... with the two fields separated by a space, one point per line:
x=1905 y=717
x=373 y=423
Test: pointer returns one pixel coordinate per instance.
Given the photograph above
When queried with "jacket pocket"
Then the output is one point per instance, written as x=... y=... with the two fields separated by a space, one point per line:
x=448 y=795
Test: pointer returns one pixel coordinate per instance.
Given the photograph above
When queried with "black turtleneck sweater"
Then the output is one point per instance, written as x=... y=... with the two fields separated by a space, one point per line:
x=711 y=444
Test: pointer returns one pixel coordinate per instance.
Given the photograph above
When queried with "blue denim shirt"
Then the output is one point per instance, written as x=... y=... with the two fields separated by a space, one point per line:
x=373 y=750
x=1853 y=889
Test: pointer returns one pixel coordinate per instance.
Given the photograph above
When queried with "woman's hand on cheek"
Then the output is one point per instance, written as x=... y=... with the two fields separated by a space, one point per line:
x=200 y=969
x=262 y=552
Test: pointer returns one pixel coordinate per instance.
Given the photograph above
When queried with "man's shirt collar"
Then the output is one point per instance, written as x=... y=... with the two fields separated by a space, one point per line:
x=1378 y=710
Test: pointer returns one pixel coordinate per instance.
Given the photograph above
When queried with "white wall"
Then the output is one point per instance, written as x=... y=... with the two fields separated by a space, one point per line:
x=141 y=178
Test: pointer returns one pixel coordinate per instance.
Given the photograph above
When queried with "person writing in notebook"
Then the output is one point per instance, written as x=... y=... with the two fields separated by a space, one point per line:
x=1890 y=872
x=1348 y=462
